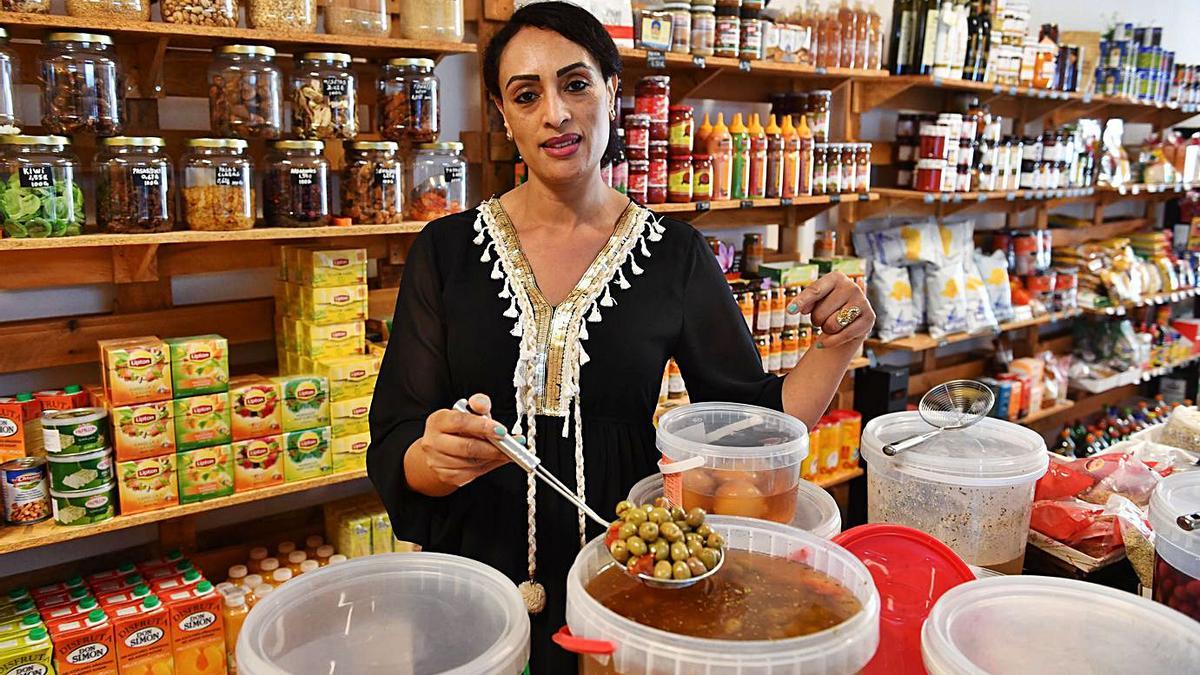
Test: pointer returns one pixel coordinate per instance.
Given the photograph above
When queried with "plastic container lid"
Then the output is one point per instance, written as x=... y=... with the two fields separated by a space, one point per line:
x=1177 y=495
x=389 y=613
x=732 y=436
x=1008 y=625
x=80 y=457
x=990 y=453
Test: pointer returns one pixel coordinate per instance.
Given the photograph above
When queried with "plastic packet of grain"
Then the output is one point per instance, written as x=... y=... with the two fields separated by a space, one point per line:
x=891 y=296
x=993 y=269
x=945 y=300
x=916 y=279
x=979 y=304
x=956 y=241
x=907 y=245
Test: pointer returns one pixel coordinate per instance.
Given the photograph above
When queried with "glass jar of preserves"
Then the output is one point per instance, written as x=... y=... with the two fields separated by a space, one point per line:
x=358 y=17
x=408 y=102
x=639 y=173
x=750 y=45
x=849 y=166
x=8 y=81
x=296 y=185
x=817 y=108
x=39 y=190
x=702 y=177
x=295 y=16
x=704 y=28
x=134 y=190
x=431 y=20
x=439 y=181
x=373 y=183
x=656 y=181
x=218 y=185
x=324 y=96
x=245 y=92
x=728 y=33
x=222 y=13
x=862 y=167
x=681 y=26
x=833 y=168
x=681 y=130
x=637 y=136
x=679 y=179
x=820 y=181
x=81 y=88
x=128 y=10
x=652 y=96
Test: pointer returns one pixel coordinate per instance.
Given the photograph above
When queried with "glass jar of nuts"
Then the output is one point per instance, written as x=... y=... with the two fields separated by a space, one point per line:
x=245 y=92
x=324 y=96
x=357 y=17
x=408 y=101
x=218 y=185
x=223 y=13
x=298 y=16
x=373 y=183
x=431 y=20
x=81 y=88
x=129 y=10
x=134 y=191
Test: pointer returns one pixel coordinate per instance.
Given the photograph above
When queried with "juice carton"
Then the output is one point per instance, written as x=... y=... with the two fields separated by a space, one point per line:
x=351 y=416
x=58 y=599
x=201 y=421
x=327 y=268
x=333 y=304
x=147 y=484
x=335 y=339
x=199 y=365
x=135 y=370
x=307 y=454
x=68 y=398
x=56 y=588
x=255 y=407
x=143 y=638
x=18 y=610
x=28 y=653
x=84 y=645
x=20 y=427
x=350 y=452
x=166 y=571
x=143 y=430
x=349 y=376
x=354 y=537
x=190 y=578
x=197 y=630
x=171 y=558
x=205 y=473
x=96 y=397
x=114 y=574
x=257 y=463
x=381 y=533
x=65 y=611
x=21 y=625
x=102 y=588
x=111 y=601
x=14 y=596
x=305 y=401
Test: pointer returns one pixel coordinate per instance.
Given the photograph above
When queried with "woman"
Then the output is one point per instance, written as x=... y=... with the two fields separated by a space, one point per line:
x=555 y=308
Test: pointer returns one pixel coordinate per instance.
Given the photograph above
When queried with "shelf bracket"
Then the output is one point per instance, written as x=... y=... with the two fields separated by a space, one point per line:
x=135 y=264
x=149 y=69
x=870 y=95
x=710 y=74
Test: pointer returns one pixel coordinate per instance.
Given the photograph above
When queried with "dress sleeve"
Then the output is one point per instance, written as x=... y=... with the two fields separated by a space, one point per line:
x=413 y=382
x=715 y=351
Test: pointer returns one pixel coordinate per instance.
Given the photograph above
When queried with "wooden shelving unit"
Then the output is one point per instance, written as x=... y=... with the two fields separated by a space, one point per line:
x=273 y=234
x=923 y=341
x=1149 y=301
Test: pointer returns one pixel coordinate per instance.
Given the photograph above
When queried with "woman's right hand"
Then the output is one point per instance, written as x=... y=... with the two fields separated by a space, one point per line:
x=456 y=448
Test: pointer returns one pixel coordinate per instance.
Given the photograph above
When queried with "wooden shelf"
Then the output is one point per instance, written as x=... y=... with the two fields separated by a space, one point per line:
x=674 y=62
x=1159 y=299
x=1046 y=412
x=923 y=341
x=745 y=204
x=45 y=533
x=838 y=477
x=201 y=237
x=1073 y=236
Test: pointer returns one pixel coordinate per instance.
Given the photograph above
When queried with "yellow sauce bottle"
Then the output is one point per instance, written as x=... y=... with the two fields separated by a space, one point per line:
x=806 y=157
x=720 y=147
x=774 y=159
x=791 y=159
x=756 y=188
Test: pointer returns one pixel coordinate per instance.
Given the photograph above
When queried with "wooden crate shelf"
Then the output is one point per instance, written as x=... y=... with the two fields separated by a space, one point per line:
x=923 y=341
x=280 y=235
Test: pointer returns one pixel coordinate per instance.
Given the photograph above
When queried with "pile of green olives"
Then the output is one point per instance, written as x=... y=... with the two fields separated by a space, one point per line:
x=663 y=541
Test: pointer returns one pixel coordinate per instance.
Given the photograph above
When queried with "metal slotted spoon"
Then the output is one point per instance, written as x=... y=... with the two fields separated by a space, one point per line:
x=950 y=406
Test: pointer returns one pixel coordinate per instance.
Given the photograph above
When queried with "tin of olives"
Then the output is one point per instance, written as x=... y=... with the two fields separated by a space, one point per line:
x=78 y=472
x=75 y=431
x=84 y=507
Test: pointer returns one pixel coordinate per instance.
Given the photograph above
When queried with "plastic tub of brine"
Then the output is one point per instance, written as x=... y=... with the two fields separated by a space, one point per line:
x=972 y=489
x=1175 y=517
x=1006 y=625
x=816 y=509
x=609 y=642
x=732 y=459
x=389 y=613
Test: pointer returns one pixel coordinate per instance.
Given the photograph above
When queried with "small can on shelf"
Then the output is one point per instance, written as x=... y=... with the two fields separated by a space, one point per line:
x=439 y=182
x=134 y=190
x=408 y=101
x=24 y=483
x=358 y=17
x=296 y=16
x=431 y=20
x=245 y=92
x=81 y=87
x=296 y=185
x=221 y=13
x=39 y=192
x=372 y=185
x=218 y=185
x=324 y=96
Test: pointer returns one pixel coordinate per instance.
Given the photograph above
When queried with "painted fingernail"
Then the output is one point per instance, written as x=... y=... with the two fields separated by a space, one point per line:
x=499 y=431
x=793 y=308
x=522 y=440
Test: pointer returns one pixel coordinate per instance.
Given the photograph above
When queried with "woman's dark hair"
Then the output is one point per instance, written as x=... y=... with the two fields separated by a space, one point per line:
x=568 y=20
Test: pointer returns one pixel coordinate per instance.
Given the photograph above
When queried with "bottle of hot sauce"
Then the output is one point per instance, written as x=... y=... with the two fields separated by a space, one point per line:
x=720 y=147
x=806 y=157
x=739 y=187
x=791 y=159
x=774 y=159
x=758 y=159
x=700 y=142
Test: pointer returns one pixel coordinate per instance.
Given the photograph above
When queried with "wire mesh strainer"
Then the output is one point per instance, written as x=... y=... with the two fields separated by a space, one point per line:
x=952 y=405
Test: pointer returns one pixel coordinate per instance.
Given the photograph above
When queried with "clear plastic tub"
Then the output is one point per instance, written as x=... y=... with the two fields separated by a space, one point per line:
x=816 y=510
x=1007 y=625
x=1177 y=549
x=389 y=613
x=972 y=489
x=741 y=460
x=640 y=650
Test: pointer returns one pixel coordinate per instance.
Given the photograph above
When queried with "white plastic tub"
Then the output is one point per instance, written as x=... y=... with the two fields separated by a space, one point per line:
x=972 y=489
x=640 y=650
x=1017 y=625
x=816 y=510
x=1177 y=549
x=389 y=613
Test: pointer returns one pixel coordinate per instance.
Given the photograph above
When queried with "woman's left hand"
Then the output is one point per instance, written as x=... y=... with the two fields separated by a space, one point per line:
x=836 y=305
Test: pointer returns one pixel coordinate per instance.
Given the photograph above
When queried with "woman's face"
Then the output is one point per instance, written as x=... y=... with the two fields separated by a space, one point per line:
x=556 y=103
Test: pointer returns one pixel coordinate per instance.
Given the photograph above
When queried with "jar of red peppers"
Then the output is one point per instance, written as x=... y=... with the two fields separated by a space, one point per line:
x=652 y=96
x=408 y=102
x=656 y=182
x=134 y=186
x=296 y=185
x=679 y=179
x=682 y=129
x=702 y=177
x=637 y=136
x=439 y=181
x=639 y=173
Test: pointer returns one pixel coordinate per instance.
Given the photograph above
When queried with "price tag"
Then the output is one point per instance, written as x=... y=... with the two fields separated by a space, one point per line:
x=744 y=66
x=1012 y=91
x=996 y=89
x=982 y=197
x=1041 y=93
x=957 y=199
x=864 y=197
x=945 y=197
x=703 y=206
x=656 y=60
x=35 y=177
x=230 y=176
x=746 y=204
x=385 y=176
x=453 y=173
x=835 y=199
x=1087 y=98
x=1012 y=197
x=335 y=87
x=822 y=70
x=928 y=199
x=699 y=62
x=937 y=81
x=785 y=201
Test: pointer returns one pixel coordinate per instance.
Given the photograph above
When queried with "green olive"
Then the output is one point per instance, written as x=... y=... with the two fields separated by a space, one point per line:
x=680 y=571
x=647 y=508
x=627 y=530
x=662 y=503
x=637 y=546
x=695 y=517
x=690 y=537
x=623 y=507
x=635 y=516
x=619 y=551
x=715 y=541
x=670 y=532
x=709 y=557
x=694 y=549
x=660 y=515
x=683 y=525
x=696 y=567
x=679 y=551
x=662 y=570
x=648 y=531
x=661 y=550
x=704 y=530
x=677 y=513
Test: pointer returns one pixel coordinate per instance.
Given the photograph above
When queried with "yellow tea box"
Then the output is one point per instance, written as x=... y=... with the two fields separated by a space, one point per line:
x=351 y=416
x=349 y=376
x=335 y=339
x=307 y=454
x=334 y=304
x=350 y=452
x=343 y=267
x=135 y=370
x=381 y=533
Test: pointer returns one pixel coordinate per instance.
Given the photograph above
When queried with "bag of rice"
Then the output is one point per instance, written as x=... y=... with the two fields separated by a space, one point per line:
x=907 y=245
x=945 y=300
x=979 y=304
x=891 y=296
x=993 y=269
x=957 y=240
x=916 y=279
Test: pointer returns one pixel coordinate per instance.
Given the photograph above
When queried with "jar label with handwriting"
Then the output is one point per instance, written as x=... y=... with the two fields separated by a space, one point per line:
x=385 y=176
x=302 y=177
x=35 y=177
x=335 y=87
x=453 y=173
x=230 y=176
x=147 y=176
x=420 y=91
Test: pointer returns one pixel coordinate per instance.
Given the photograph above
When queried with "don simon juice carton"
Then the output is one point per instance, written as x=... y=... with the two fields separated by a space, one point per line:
x=197 y=629
x=84 y=645
x=143 y=638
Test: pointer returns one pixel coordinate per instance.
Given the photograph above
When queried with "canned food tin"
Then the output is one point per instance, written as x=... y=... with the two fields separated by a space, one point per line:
x=26 y=493
x=75 y=431
x=83 y=471
x=84 y=507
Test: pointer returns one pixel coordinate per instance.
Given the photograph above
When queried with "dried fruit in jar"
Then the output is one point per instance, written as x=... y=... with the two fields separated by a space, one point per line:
x=132 y=199
x=429 y=201
x=54 y=210
x=371 y=191
x=325 y=108
x=296 y=196
x=218 y=207
x=247 y=104
x=80 y=98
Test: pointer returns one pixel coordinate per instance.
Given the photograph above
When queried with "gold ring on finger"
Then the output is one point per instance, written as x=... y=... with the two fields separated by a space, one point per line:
x=847 y=315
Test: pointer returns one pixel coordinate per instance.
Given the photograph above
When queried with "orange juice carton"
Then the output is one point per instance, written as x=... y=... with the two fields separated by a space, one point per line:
x=166 y=571
x=20 y=427
x=199 y=365
x=143 y=638
x=143 y=430
x=206 y=473
x=124 y=597
x=84 y=645
x=114 y=574
x=68 y=398
x=147 y=484
x=257 y=463
x=81 y=607
x=305 y=401
x=22 y=624
x=350 y=452
x=170 y=559
x=307 y=454
x=256 y=404
x=58 y=599
x=101 y=588
x=197 y=630
x=27 y=653
x=56 y=588
x=135 y=370
x=351 y=416
x=201 y=421
x=190 y=578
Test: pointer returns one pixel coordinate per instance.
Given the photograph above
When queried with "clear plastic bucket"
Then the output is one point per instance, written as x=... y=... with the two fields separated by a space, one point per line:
x=736 y=460
x=972 y=489
x=1177 y=548
x=634 y=649
x=389 y=613
x=1008 y=625
x=816 y=510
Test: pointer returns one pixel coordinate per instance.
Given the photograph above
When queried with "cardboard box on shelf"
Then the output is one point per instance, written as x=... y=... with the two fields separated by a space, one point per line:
x=350 y=417
x=199 y=365
x=202 y=421
x=333 y=304
x=197 y=630
x=307 y=454
x=350 y=452
x=336 y=339
x=143 y=430
x=305 y=401
x=147 y=484
x=20 y=427
x=349 y=377
x=143 y=638
x=338 y=267
x=84 y=645
x=68 y=398
x=257 y=463
x=135 y=370
x=205 y=473
x=255 y=407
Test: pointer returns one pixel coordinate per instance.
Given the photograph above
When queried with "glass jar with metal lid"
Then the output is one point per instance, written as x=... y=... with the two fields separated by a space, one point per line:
x=81 y=88
x=439 y=181
x=372 y=186
x=245 y=92
x=134 y=191
x=26 y=6
x=324 y=96
x=39 y=189
x=297 y=16
x=408 y=101
x=358 y=17
x=218 y=185
x=128 y=10
x=296 y=185
x=8 y=80
x=431 y=20
x=221 y=13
